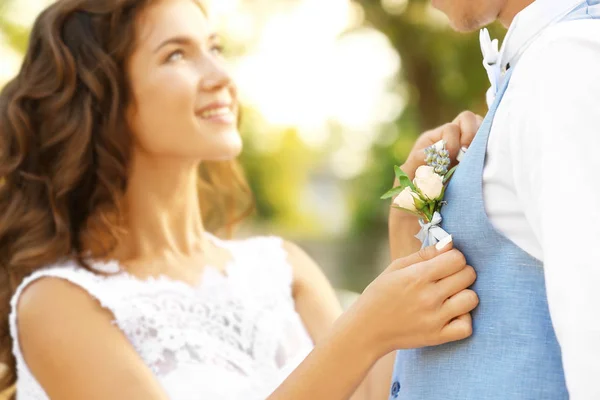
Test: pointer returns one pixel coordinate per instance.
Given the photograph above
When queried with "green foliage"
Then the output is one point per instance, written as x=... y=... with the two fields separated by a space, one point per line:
x=16 y=35
x=277 y=164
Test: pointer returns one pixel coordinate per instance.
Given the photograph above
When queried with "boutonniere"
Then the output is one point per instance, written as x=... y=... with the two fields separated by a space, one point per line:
x=424 y=195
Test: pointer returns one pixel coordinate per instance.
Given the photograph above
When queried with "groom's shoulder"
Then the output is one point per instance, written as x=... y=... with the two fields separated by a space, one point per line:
x=562 y=50
x=568 y=38
x=583 y=30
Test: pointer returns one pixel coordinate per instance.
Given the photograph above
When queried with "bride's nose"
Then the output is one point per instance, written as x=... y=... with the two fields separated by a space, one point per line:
x=214 y=75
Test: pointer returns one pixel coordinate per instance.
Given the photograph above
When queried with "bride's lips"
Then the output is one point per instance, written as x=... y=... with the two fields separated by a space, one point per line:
x=218 y=112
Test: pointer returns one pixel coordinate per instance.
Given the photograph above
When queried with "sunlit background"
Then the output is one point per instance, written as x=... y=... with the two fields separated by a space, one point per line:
x=336 y=92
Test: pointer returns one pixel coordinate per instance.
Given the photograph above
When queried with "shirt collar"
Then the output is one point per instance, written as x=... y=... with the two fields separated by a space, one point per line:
x=529 y=23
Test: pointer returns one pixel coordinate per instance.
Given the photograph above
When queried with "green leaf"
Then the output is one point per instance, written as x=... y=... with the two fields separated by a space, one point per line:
x=403 y=178
x=449 y=174
x=399 y=173
x=392 y=192
x=405 y=182
x=419 y=203
x=427 y=216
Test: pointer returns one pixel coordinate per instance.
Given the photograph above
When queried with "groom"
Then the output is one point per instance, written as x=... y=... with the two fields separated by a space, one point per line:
x=524 y=208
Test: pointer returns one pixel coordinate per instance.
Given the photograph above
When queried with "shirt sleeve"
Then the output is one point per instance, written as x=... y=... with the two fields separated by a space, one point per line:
x=556 y=137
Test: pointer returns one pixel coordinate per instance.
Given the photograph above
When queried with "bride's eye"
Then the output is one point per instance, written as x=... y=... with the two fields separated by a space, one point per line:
x=217 y=49
x=175 y=56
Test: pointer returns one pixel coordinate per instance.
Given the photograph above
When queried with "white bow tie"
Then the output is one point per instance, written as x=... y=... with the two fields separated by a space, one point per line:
x=491 y=63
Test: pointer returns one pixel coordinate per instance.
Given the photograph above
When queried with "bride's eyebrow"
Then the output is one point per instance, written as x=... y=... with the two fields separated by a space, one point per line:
x=181 y=40
x=184 y=41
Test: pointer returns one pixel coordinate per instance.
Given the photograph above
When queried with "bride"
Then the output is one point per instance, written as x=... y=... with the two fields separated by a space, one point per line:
x=118 y=289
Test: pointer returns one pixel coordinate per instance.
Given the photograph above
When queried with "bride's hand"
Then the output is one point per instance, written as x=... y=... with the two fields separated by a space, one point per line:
x=419 y=300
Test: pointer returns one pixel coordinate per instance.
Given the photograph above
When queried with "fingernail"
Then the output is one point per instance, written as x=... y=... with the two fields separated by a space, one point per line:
x=461 y=154
x=444 y=242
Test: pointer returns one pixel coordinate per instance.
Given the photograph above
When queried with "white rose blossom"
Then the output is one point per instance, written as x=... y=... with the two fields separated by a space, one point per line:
x=406 y=199
x=428 y=182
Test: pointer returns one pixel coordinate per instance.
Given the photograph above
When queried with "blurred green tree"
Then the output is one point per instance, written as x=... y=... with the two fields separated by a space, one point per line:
x=16 y=35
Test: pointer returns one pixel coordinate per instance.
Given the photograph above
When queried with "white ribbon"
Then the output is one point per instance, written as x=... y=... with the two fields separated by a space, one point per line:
x=431 y=233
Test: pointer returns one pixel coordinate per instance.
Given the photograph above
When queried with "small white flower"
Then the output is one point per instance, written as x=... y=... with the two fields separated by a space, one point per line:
x=406 y=199
x=428 y=182
x=439 y=145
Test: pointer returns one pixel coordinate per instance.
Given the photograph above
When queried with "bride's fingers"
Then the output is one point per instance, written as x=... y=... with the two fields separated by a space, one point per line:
x=461 y=303
x=457 y=329
x=469 y=124
x=444 y=265
x=451 y=134
x=425 y=254
x=453 y=284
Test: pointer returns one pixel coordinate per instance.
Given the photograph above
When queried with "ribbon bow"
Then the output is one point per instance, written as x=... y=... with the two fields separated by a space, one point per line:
x=491 y=63
x=430 y=232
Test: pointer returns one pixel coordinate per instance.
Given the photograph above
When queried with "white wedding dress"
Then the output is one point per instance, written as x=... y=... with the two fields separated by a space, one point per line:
x=234 y=336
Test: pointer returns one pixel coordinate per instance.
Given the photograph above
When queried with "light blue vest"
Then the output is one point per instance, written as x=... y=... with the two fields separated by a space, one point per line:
x=513 y=353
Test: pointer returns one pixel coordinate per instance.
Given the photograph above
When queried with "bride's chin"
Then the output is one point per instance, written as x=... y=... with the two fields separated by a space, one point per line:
x=225 y=155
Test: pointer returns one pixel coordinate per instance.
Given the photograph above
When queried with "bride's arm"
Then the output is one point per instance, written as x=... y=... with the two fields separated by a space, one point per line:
x=319 y=308
x=73 y=349
x=316 y=301
x=334 y=369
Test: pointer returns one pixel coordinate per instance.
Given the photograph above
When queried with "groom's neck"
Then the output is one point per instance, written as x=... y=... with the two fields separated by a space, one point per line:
x=511 y=9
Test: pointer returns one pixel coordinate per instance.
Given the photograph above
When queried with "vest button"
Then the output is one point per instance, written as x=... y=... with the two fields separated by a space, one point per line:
x=395 y=389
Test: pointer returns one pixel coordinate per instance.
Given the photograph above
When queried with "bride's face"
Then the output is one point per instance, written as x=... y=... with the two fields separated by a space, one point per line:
x=184 y=101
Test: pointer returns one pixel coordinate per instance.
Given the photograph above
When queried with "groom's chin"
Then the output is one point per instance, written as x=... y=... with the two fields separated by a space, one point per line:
x=462 y=15
x=465 y=25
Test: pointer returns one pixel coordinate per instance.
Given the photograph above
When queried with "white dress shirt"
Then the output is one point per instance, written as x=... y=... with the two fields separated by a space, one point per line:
x=541 y=180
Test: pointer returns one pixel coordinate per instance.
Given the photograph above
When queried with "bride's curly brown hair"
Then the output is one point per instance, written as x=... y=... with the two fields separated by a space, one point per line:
x=65 y=147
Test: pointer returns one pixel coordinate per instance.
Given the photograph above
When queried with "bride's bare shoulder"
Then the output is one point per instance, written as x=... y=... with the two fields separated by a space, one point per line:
x=53 y=314
x=71 y=346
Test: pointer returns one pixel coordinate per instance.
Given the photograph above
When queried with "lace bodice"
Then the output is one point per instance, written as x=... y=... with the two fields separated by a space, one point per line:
x=234 y=336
